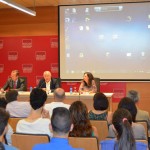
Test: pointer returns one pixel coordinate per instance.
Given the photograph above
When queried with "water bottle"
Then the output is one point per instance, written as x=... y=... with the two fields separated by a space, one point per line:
x=30 y=88
x=70 y=89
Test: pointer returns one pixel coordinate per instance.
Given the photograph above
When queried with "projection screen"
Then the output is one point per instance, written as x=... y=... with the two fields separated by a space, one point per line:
x=110 y=40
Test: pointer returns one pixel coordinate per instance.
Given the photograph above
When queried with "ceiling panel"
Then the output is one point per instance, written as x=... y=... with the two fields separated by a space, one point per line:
x=30 y=3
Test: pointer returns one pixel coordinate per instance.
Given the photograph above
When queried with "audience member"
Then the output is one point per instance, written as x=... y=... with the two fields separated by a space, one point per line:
x=141 y=114
x=3 y=102
x=82 y=126
x=16 y=108
x=34 y=123
x=48 y=83
x=88 y=83
x=9 y=132
x=100 y=112
x=61 y=124
x=14 y=82
x=4 y=116
x=138 y=129
x=122 y=121
x=59 y=97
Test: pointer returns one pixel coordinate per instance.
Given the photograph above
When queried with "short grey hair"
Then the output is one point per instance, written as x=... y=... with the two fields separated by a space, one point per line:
x=134 y=95
x=59 y=94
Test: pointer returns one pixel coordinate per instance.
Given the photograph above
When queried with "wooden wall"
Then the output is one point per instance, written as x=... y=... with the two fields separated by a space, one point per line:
x=15 y=23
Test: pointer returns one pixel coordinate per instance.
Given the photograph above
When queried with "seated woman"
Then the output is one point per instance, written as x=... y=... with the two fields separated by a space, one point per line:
x=138 y=129
x=82 y=126
x=125 y=140
x=35 y=123
x=100 y=112
x=88 y=83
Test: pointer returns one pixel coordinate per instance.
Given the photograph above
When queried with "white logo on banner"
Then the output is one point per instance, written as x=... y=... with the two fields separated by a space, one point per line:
x=118 y=93
x=38 y=78
x=1 y=68
x=40 y=55
x=54 y=42
x=54 y=67
x=27 y=68
x=26 y=43
x=12 y=55
x=1 y=44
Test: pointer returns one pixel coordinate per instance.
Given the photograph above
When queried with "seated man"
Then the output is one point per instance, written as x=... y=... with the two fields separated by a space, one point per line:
x=35 y=123
x=141 y=114
x=4 y=116
x=59 y=96
x=14 y=82
x=48 y=83
x=16 y=108
x=61 y=124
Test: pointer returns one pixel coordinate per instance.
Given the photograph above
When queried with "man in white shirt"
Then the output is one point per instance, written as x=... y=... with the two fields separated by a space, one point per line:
x=59 y=96
x=16 y=108
x=48 y=83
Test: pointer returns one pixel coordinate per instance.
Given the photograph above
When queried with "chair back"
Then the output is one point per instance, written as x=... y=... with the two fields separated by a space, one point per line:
x=102 y=128
x=87 y=143
x=59 y=81
x=13 y=123
x=27 y=141
x=97 y=82
x=25 y=82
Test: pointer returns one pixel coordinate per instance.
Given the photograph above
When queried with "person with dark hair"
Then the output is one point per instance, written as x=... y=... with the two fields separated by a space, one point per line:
x=141 y=114
x=16 y=108
x=61 y=124
x=4 y=116
x=48 y=83
x=3 y=102
x=59 y=97
x=100 y=112
x=82 y=126
x=14 y=82
x=34 y=123
x=9 y=132
x=122 y=124
x=88 y=84
x=138 y=129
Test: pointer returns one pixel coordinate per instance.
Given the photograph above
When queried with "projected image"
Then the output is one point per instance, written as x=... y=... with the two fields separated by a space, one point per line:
x=111 y=41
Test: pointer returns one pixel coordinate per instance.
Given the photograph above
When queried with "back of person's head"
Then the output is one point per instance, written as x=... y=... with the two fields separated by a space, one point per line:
x=100 y=101
x=128 y=104
x=122 y=121
x=3 y=102
x=81 y=122
x=59 y=94
x=61 y=120
x=37 y=98
x=4 y=116
x=11 y=95
x=134 y=95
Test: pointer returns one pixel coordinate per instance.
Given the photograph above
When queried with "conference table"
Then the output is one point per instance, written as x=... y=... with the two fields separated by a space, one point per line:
x=85 y=98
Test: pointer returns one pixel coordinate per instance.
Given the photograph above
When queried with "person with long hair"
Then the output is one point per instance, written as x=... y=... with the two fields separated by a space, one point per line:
x=100 y=111
x=138 y=129
x=125 y=140
x=82 y=126
x=88 y=83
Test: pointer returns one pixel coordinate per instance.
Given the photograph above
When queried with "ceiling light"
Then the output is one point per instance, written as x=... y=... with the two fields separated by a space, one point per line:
x=19 y=7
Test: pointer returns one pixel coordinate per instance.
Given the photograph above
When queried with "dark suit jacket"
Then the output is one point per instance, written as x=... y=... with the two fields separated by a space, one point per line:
x=20 y=84
x=53 y=85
